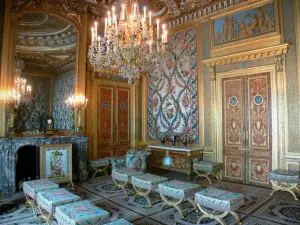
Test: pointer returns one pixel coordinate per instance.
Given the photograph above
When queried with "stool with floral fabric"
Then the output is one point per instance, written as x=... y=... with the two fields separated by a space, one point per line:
x=99 y=165
x=119 y=222
x=48 y=200
x=218 y=201
x=31 y=188
x=180 y=191
x=285 y=180
x=79 y=213
x=206 y=169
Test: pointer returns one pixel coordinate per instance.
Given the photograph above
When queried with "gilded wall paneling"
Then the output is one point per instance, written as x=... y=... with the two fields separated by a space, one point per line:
x=249 y=27
x=296 y=6
x=200 y=137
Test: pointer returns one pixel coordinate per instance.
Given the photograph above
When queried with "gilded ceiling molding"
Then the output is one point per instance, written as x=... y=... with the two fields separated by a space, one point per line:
x=206 y=8
x=275 y=51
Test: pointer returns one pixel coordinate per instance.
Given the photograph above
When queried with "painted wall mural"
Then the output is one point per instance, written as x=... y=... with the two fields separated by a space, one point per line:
x=63 y=87
x=32 y=111
x=173 y=89
x=249 y=23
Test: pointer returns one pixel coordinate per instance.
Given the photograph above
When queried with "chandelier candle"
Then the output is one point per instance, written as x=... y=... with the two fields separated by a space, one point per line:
x=128 y=42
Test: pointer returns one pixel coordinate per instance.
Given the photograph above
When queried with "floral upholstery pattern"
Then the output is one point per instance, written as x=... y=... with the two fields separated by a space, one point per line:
x=147 y=181
x=117 y=161
x=31 y=188
x=206 y=166
x=119 y=222
x=178 y=189
x=80 y=213
x=137 y=159
x=124 y=174
x=49 y=199
x=291 y=177
x=99 y=162
x=219 y=199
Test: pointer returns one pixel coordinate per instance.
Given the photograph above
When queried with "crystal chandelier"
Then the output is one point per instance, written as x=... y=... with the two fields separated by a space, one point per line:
x=128 y=42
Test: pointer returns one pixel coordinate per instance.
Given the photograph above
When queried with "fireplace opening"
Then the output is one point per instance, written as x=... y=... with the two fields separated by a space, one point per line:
x=27 y=165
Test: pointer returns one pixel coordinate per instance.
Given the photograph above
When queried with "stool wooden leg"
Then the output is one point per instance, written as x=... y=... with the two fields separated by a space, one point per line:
x=98 y=170
x=145 y=194
x=173 y=204
x=31 y=203
x=281 y=186
x=201 y=174
x=217 y=217
x=45 y=215
x=236 y=216
x=121 y=185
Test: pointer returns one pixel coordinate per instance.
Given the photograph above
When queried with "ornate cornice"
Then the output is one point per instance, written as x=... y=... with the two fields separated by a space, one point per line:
x=247 y=56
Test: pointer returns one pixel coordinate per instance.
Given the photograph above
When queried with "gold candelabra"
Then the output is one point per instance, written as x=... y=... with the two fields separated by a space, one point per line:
x=77 y=104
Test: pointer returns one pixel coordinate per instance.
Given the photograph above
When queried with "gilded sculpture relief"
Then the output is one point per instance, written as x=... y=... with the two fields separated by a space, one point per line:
x=245 y=24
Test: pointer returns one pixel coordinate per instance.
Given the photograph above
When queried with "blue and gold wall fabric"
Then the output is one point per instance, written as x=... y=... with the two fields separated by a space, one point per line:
x=63 y=87
x=173 y=89
x=249 y=23
x=32 y=110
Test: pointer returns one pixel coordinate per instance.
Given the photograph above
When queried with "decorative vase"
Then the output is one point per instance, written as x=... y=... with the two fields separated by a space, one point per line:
x=185 y=141
x=162 y=141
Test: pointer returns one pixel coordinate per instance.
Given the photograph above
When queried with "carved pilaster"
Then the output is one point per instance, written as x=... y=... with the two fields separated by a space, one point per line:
x=278 y=63
x=212 y=70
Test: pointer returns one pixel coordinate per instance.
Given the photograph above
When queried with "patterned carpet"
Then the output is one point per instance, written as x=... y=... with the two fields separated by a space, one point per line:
x=259 y=209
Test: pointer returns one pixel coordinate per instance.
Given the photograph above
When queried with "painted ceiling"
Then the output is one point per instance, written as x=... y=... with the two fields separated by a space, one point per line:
x=46 y=41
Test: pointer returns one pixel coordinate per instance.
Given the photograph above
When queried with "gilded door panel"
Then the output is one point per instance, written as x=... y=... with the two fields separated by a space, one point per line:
x=105 y=121
x=123 y=122
x=260 y=127
x=233 y=127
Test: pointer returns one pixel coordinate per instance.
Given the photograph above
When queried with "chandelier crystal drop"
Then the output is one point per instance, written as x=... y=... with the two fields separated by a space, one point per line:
x=128 y=43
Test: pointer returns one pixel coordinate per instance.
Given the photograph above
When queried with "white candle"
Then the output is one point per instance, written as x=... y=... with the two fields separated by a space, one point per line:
x=105 y=28
x=99 y=42
x=113 y=15
x=162 y=38
x=93 y=35
x=166 y=36
x=96 y=29
x=108 y=18
x=150 y=47
x=150 y=22
x=145 y=13
x=134 y=11
x=143 y=26
x=123 y=12
x=157 y=27
x=164 y=27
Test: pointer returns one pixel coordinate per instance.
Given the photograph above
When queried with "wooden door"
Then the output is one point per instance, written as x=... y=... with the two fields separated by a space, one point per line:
x=259 y=155
x=247 y=126
x=122 y=120
x=113 y=120
x=106 y=104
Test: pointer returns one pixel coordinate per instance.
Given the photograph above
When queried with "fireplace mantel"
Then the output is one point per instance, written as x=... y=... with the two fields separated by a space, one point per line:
x=10 y=146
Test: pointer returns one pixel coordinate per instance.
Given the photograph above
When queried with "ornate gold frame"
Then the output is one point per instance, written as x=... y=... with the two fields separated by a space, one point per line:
x=264 y=40
x=145 y=140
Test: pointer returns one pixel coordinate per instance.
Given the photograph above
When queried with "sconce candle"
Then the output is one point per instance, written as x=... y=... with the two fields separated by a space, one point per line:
x=77 y=104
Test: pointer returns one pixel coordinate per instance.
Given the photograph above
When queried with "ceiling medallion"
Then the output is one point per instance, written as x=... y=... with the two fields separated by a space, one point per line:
x=129 y=42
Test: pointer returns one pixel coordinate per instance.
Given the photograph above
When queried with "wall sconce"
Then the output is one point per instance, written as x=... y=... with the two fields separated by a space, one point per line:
x=77 y=104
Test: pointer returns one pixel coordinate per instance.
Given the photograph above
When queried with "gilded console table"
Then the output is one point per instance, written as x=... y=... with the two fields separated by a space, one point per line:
x=182 y=158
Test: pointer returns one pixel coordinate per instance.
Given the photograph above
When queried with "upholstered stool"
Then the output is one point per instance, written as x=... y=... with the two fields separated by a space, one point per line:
x=145 y=183
x=122 y=177
x=82 y=212
x=99 y=165
x=205 y=169
x=31 y=188
x=285 y=180
x=218 y=200
x=119 y=222
x=178 y=190
x=117 y=161
x=48 y=200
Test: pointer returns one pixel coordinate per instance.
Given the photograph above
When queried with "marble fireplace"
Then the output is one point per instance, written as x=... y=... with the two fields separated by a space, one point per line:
x=9 y=148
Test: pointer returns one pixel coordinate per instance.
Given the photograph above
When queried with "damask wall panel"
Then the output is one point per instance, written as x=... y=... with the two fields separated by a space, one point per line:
x=173 y=97
x=206 y=86
x=63 y=87
x=292 y=77
x=33 y=110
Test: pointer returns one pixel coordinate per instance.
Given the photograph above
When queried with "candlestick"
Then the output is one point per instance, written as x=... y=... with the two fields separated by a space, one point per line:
x=93 y=35
x=157 y=27
x=96 y=29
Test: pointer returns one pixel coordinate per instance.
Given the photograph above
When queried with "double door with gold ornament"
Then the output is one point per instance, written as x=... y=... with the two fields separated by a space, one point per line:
x=113 y=120
x=247 y=129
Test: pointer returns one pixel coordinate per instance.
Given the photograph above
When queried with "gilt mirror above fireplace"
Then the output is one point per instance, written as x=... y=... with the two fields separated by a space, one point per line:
x=46 y=45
